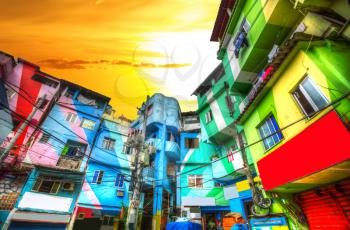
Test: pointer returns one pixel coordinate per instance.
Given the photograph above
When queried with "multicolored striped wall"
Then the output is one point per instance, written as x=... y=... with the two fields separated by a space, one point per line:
x=24 y=86
x=194 y=158
x=113 y=162
x=266 y=23
x=64 y=124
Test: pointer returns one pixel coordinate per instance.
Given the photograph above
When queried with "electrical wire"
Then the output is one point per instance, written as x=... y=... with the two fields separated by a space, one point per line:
x=62 y=125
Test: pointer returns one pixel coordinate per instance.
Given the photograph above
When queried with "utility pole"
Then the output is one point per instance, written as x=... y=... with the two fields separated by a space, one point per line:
x=245 y=162
x=136 y=141
x=13 y=140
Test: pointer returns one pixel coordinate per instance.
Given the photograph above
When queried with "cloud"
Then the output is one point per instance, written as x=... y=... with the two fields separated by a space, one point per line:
x=84 y=64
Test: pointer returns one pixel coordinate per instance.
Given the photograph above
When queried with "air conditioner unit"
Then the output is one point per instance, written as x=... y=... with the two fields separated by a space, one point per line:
x=120 y=192
x=68 y=186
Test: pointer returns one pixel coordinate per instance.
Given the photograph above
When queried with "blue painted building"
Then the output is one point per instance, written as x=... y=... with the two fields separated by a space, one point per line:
x=162 y=131
x=59 y=154
x=104 y=196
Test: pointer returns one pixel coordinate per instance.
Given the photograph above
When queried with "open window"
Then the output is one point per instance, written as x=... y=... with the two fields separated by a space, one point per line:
x=87 y=124
x=208 y=116
x=47 y=184
x=108 y=143
x=195 y=181
x=72 y=155
x=309 y=97
x=191 y=143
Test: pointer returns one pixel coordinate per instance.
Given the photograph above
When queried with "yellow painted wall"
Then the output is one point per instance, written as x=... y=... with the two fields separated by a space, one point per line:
x=288 y=110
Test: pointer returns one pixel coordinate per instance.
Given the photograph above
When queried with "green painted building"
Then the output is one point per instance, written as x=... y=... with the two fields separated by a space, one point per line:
x=272 y=52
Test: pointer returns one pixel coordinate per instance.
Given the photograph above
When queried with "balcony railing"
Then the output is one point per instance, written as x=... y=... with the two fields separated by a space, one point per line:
x=251 y=95
x=172 y=149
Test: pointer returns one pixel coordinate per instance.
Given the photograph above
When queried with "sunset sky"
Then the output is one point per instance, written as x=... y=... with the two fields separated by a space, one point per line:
x=124 y=49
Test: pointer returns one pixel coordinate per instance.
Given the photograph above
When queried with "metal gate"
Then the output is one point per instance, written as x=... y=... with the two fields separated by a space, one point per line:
x=327 y=207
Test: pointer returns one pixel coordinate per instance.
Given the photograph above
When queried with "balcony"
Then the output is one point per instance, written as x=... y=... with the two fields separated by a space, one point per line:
x=228 y=168
x=148 y=176
x=318 y=155
x=251 y=95
x=172 y=149
x=254 y=36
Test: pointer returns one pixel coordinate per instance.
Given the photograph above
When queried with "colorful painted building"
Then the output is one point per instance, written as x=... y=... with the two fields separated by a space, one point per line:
x=218 y=110
x=24 y=85
x=200 y=198
x=288 y=64
x=162 y=127
x=104 y=198
x=59 y=155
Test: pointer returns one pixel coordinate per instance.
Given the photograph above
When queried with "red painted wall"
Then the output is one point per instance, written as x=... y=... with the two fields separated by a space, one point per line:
x=321 y=145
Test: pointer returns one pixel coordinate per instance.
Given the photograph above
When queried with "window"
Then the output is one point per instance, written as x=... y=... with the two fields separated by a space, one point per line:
x=229 y=104
x=126 y=150
x=208 y=116
x=10 y=93
x=309 y=97
x=195 y=181
x=87 y=124
x=217 y=184
x=15 y=123
x=108 y=143
x=69 y=93
x=73 y=149
x=71 y=117
x=43 y=103
x=266 y=129
x=149 y=110
x=119 y=181
x=245 y=25
x=45 y=80
x=47 y=184
x=241 y=38
x=81 y=216
x=191 y=143
x=191 y=120
x=97 y=178
x=108 y=220
x=44 y=138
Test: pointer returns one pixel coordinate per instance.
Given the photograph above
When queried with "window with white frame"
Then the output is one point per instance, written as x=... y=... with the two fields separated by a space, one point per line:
x=268 y=132
x=97 y=178
x=208 y=116
x=47 y=184
x=88 y=124
x=71 y=117
x=309 y=97
x=195 y=181
x=119 y=181
x=108 y=143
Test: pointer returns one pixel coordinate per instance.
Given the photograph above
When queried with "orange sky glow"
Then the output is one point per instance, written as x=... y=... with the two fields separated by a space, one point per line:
x=123 y=49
